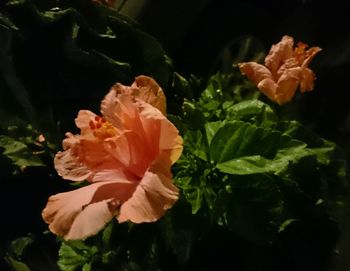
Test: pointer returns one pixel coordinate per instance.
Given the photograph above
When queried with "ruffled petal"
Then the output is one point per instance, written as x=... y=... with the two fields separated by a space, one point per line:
x=279 y=53
x=82 y=158
x=153 y=196
x=147 y=133
x=150 y=92
x=143 y=88
x=68 y=166
x=120 y=110
x=307 y=80
x=83 y=119
x=310 y=55
x=255 y=72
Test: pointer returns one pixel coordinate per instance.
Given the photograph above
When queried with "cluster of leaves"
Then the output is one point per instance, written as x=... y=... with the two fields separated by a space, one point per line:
x=66 y=54
x=248 y=168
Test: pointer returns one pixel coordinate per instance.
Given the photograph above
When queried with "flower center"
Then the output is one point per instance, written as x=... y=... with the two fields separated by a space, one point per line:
x=101 y=128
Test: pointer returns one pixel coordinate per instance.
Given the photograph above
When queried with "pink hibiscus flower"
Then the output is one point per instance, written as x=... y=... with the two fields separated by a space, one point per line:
x=125 y=154
x=285 y=69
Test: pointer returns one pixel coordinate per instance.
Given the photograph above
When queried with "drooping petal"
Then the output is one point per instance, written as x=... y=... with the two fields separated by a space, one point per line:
x=63 y=208
x=307 y=80
x=279 y=53
x=255 y=72
x=83 y=212
x=91 y=220
x=153 y=196
x=287 y=85
x=269 y=88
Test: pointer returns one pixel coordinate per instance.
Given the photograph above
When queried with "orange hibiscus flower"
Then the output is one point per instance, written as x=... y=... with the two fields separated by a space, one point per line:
x=125 y=154
x=284 y=71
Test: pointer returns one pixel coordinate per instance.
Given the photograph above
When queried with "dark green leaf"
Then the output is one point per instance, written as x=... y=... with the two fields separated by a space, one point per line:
x=193 y=116
x=253 y=206
x=17 y=265
x=253 y=111
x=74 y=255
x=19 y=153
x=239 y=139
x=18 y=245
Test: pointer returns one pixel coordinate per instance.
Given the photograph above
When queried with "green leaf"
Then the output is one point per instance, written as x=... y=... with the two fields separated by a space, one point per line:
x=253 y=111
x=211 y=129
x=196 y=144
x=74 y=255
x=239 y=139
x=87 y=267
x=106 y=235
x=195 y=198
x=17 y=265
x=18 y=245
x=283 y=158
x=19 y=153
x=193 y=116
x=285 y=224
x=251 y=165
x=253 y=206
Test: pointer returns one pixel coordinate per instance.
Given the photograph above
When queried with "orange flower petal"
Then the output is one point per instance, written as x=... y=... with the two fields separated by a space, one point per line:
x=83 y=212
x=269 y=88
x=307 y=80
x=153 y=196
x=69 y=167
x=83 y=119
x=287 y=85
x=310 y=54
x=255 y=72
x=62 y=210
x=279 y=53
x=150 y=92
x=144 y=88
x=159 y=129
